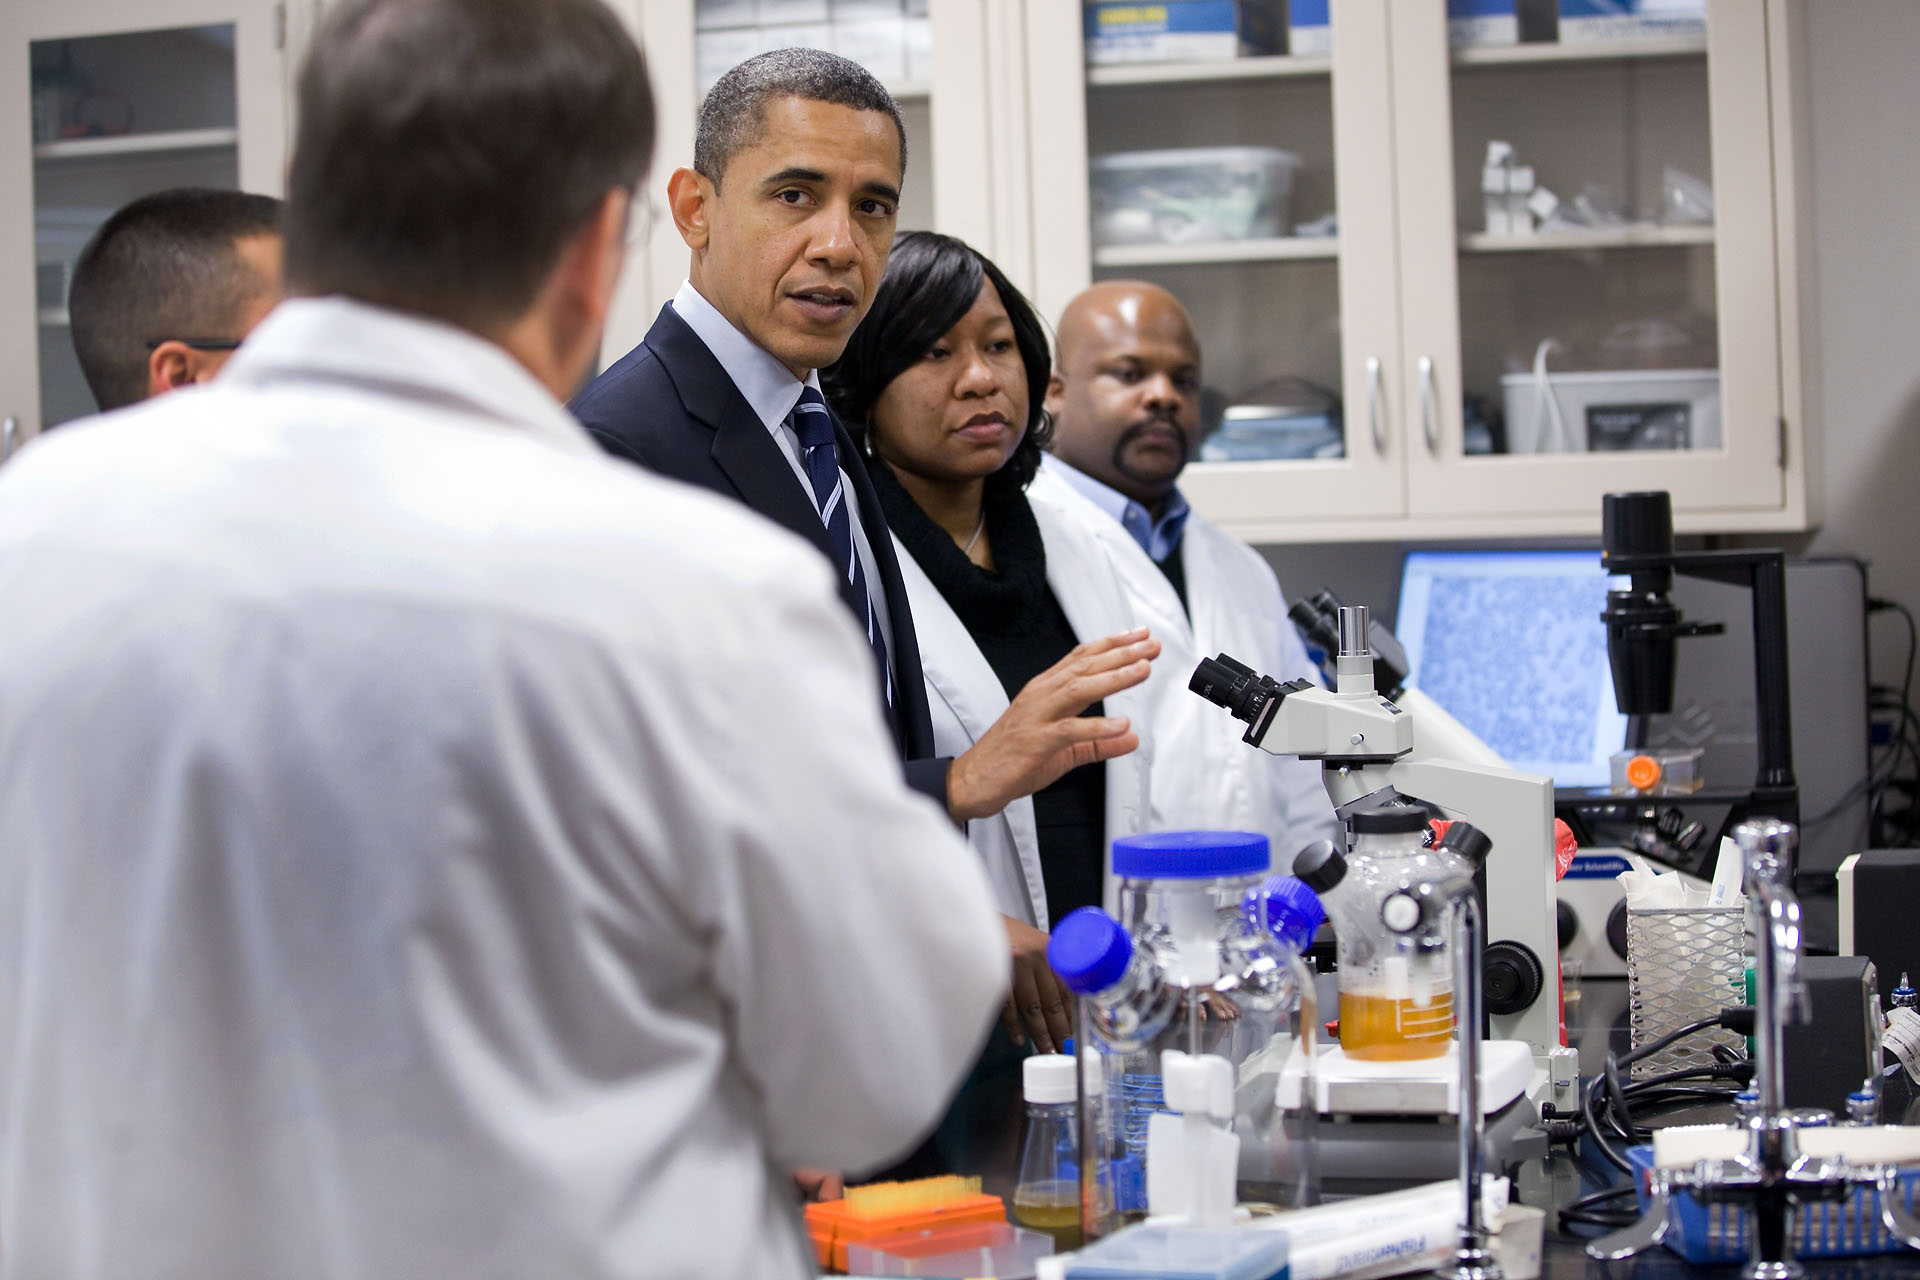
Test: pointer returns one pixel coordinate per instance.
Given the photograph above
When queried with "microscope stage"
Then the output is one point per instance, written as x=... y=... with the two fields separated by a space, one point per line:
x=1428 y=1087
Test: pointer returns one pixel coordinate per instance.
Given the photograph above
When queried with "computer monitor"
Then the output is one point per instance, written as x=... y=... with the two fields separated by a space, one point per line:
x=1511 y=643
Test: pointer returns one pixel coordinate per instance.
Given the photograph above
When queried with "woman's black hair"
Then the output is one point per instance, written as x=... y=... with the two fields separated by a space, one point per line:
x=931 y=282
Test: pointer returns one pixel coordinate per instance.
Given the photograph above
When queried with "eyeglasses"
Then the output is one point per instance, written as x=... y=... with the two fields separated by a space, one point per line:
x=198 y=344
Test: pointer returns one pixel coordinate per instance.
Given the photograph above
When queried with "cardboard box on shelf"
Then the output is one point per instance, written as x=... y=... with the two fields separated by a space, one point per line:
x=1176 y=30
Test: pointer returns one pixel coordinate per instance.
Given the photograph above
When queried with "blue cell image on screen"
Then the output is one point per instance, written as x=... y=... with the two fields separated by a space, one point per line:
x=1511 y=643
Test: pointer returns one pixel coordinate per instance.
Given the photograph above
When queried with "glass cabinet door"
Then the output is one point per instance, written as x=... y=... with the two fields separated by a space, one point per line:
x=116 y=104
x=1258 y=189
x=1588 y=249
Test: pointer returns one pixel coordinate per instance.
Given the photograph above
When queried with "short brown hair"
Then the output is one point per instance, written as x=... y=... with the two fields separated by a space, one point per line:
x=448 y=149
x=167 y=265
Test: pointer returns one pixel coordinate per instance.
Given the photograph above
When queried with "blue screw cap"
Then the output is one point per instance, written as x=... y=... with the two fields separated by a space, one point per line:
x=1089 y=950
x=1190 y=855
x=1294 y=912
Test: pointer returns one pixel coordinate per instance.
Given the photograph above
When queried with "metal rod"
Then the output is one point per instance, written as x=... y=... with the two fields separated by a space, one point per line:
x=1473 y=1260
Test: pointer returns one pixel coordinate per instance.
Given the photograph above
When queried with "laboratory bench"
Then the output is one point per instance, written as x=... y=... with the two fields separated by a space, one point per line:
x=1598 y=1023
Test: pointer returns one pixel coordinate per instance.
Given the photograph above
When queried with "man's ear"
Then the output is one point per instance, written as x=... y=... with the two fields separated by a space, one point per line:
x=1056 y=394
x=169 y=365
x=690 y=197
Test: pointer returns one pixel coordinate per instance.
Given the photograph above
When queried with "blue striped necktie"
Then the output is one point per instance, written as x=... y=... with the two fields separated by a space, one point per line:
x=813 y=423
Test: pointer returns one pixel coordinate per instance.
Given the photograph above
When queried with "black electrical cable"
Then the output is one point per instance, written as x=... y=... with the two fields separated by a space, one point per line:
x=1587 y=1211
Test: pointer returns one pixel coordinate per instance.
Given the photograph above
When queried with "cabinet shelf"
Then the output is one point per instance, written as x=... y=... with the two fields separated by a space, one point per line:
x=1259 y=68
x=1492 y=55
x=130 y=144
x=1638 y=237
x=1278 y=249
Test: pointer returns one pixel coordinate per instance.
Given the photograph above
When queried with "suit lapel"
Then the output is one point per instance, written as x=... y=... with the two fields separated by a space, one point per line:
x=745 y=453
x=743 y=448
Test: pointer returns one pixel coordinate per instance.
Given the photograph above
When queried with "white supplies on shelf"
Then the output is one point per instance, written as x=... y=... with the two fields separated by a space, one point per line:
x=1627 y=410
x=1586 y=20
x=1192 y=195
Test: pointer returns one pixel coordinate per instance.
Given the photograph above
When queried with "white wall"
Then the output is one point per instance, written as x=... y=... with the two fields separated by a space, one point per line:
x=1863 y=78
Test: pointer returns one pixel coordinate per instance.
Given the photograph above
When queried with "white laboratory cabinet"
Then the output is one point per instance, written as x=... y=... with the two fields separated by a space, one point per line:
x=102 y=101
x=1633 y=305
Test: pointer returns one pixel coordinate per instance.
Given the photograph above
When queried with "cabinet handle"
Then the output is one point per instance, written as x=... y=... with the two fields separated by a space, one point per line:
x=9 y=429
x=1373 y=406
x=1427 y=425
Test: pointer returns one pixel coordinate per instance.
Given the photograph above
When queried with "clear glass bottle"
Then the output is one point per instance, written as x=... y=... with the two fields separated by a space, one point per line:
x=1047 y=1197
x=1396 y=991
x=1189 y=966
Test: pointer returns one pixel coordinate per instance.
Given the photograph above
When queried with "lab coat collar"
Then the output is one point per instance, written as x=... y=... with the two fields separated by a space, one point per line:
x=354 y=345
x=1157 y=538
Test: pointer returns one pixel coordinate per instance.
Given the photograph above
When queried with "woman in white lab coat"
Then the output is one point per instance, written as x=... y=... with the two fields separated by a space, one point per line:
x=944 y=382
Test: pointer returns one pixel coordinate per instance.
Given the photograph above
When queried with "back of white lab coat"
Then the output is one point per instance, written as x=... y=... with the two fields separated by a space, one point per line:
x=430 y=848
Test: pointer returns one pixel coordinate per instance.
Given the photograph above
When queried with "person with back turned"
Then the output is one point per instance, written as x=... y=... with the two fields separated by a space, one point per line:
x=788 y=213
x=1125 y=400
x=414 y=858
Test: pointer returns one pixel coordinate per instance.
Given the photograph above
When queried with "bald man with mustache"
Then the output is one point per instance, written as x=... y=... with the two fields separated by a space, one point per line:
x=1125 y=400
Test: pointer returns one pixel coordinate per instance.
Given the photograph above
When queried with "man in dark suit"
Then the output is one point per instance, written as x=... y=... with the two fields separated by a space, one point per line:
x=789 y=213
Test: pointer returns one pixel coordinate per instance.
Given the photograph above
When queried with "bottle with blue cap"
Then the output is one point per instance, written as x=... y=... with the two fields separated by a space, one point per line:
x=1174 y=995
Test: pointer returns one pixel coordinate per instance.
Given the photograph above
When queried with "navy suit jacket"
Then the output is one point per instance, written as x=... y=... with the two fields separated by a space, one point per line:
x=670 y=406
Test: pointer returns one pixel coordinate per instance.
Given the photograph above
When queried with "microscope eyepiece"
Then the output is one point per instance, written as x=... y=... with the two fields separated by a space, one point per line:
x=1229 y=684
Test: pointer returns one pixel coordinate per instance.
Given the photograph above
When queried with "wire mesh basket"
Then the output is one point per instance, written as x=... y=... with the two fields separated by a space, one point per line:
x=1684 y=964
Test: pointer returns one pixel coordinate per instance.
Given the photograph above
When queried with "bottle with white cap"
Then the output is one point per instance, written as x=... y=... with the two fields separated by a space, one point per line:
x=1047 y=1197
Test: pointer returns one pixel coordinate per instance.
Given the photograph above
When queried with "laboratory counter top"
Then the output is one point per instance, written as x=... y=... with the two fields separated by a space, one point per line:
x=1599 y=1023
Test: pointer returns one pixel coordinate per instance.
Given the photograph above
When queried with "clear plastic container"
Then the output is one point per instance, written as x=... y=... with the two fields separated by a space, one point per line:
x=1191 y=966
x=1166 y=1252
x=1396 y=989
x=977 y=1249
x=1192 y=195
x=1657 y=771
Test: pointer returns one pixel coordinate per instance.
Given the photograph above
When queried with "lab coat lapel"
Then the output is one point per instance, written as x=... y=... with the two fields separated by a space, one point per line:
x=1087 y=584
x=958 y=674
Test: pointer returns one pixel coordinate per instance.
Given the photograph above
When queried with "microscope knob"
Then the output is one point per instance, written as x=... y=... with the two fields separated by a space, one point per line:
x=1617 y=928
x=1566 y=924
x=1514 y=977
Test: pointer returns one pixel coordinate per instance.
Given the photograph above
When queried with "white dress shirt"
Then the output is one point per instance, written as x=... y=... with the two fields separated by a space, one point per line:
x=770 y=388
x=416 y=862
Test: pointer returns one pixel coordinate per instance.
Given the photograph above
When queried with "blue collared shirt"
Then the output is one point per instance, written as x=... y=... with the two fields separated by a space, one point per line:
x=1157 y=538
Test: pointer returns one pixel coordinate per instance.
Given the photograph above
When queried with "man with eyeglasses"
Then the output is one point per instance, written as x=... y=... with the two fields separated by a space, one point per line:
x=169 y=286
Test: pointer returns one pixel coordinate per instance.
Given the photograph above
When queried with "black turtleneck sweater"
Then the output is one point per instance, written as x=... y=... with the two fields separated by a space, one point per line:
x=1014 y=618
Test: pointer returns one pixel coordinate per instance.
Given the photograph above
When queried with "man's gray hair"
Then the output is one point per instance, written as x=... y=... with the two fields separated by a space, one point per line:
x=734 y=113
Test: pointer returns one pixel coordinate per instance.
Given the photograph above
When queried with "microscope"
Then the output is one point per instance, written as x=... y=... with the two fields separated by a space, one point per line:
x=1376 y=753
x=1643 y=626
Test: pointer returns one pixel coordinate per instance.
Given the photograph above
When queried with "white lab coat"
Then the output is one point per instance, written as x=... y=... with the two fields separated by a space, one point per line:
x=1203 y=775
x=966 y=697
x=434 y=849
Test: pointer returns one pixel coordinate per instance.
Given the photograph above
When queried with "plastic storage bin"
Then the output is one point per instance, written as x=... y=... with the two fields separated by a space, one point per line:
x=1192 y=195
x=981 y=1249
x=1614 y=412
x=1718 y=1232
